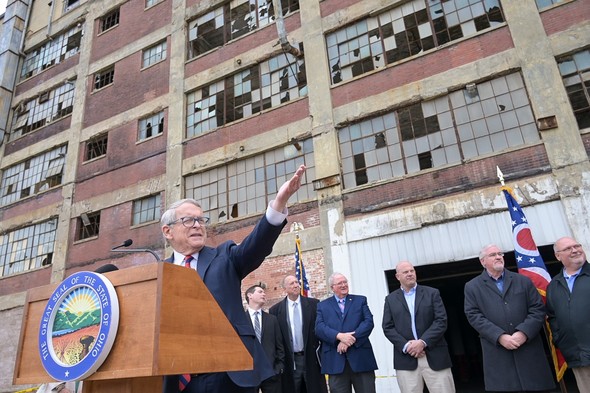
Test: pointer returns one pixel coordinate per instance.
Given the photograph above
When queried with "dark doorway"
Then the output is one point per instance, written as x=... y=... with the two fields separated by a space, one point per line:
x=464 y=347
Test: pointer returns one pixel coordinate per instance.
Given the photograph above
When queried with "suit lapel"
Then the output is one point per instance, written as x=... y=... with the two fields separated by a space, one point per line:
x=490 y=284
x=305 y=317
x=206 y=256
x=401 y=299
x=283 y=316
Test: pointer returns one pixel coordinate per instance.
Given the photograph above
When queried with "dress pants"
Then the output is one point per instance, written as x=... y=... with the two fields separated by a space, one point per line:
x=342 y=383
x=412 y=381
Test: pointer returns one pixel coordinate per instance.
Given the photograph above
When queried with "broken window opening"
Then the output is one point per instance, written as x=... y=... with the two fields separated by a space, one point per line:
x=88 y=225
x=104 y=78
x=96 y=147
x=109 y=21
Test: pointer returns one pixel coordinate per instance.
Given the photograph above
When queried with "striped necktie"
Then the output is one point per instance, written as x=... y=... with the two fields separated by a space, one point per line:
x=184 y=379
x=257 y=329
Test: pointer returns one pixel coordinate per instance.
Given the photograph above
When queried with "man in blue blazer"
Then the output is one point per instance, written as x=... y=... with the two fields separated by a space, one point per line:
x=222 y=269
x=415 y=321
x=343 y=325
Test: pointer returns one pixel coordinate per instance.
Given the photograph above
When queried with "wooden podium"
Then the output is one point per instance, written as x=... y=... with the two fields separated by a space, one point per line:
x=169 y=323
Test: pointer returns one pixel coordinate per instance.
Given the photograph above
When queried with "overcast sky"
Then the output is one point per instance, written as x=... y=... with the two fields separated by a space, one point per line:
x=3 y=6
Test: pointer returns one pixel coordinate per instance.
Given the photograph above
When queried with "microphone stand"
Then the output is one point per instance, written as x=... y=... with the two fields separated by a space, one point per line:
x=138 y=250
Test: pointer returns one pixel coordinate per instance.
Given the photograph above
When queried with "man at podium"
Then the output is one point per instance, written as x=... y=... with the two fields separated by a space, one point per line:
x=222 y=269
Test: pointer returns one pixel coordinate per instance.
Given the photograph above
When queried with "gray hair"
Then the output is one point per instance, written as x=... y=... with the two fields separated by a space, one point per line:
x=331 y=278
x=170 y=214
x=483 y=251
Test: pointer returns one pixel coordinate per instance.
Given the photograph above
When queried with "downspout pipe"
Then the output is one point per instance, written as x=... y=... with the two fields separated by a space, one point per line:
x=50 y=18
x=282 y=32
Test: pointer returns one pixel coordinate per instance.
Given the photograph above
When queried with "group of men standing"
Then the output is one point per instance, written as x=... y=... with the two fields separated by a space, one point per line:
x=504 y=307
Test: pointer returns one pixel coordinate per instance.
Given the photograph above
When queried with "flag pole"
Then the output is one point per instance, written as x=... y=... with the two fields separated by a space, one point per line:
x=546 y=330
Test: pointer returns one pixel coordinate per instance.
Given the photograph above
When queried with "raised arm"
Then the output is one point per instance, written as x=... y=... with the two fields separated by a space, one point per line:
x=289 y=188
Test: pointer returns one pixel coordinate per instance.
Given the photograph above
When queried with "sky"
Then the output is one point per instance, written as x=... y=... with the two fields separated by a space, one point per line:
x=3 y=6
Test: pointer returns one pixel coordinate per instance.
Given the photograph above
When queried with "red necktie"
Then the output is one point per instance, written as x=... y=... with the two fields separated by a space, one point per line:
x=184 y=379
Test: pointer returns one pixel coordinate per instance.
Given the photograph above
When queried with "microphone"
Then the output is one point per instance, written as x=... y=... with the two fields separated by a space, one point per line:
x=106 y=268
x=126 y=243
x=129 y=242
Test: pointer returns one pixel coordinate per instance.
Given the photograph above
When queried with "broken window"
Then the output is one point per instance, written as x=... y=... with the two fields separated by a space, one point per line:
x=243 y=187
x=96 y=147
x=88 y=225
x=265 y=85
x=146 y=209
x=232 y=20
x=48 y=107
x=438 y=132
x=27 y=248
x=32 y=176
x=109 y=21
x=70 y=4
x=575 y=73
x=54 y=51
x=151 y=126
x=394 y=35
x=104 y=78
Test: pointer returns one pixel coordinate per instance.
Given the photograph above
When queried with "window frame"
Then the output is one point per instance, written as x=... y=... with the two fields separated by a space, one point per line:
x=146 y=210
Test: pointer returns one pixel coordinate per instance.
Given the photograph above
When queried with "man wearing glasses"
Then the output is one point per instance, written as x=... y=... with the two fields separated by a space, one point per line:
x=508 y=313
x=568 y=309
x=222 y=269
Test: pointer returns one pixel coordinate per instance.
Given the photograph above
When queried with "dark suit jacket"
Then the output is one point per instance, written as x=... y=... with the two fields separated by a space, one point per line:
x=431 y=325
x=315 y=380
x=357 y=318
x=272 y=341
x=222 y=269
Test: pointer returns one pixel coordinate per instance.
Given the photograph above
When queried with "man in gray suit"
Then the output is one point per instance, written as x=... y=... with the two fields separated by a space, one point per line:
x=508 y=313
x=415 y=321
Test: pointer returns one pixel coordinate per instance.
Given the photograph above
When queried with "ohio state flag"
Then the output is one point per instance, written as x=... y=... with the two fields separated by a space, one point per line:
x=530 y=263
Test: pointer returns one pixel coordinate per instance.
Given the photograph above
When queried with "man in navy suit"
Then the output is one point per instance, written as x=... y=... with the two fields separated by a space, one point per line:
x=222 y=269
x=415 y=321
x=343 y=325
x=302 y=370
x=269 y=334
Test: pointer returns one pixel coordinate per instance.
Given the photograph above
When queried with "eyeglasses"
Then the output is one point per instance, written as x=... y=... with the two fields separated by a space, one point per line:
x=495 y=254
x=340 y=283
x=189 y=222
x=571 y=248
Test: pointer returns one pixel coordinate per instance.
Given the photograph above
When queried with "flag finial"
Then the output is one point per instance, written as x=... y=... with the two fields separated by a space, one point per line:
x=296 y=227
x=500 y=175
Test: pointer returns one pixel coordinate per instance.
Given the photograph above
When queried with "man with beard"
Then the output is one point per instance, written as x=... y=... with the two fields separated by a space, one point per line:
x=508 y=313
